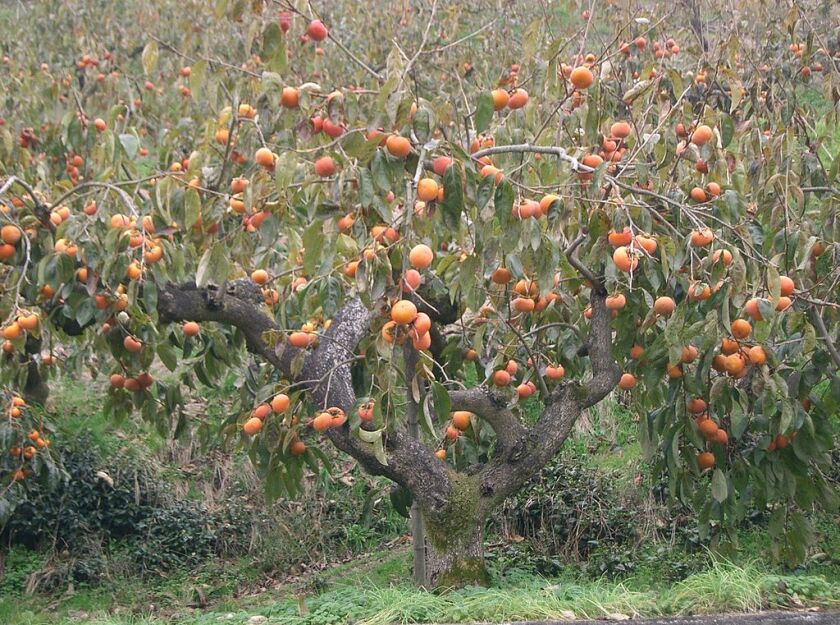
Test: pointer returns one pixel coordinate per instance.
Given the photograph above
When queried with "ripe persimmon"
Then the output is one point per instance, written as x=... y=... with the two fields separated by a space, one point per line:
x=734 y=364
x=664 y=306
x=280 y=403
x=708 y=428
x=261 y=411
x=501 y=378
x=696 y=405
x=500 y=99
x=705 y=460
x=518 y=99
x=427 y=190
x=786 y=285
x=300 y=340
x=502 y=275
x=581 y=77
x=741 y=328
x=322 y=422
x=627 y=381
x=440 y=164
x=648 y=244
x=398 y=146
x=617 y=239
x=757 y=355
x=523 y=304
x=621 y=130
x=555 y=373
x=325 y=167
x=317 y=31
x=701 y=135
x=722 y=255
x=131 y=344
x=264 y=157
x=615 y=302
x=10 y=234
x=703 y=237
x=625 y=259
x=698 y=195
x=461 y=419
x=546 y=203
x=403 y=312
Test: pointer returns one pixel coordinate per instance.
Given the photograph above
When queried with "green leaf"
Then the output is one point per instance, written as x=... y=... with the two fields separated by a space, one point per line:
x=355 y=144
x=149 y=57
x=440 y=399
x=423 y=124
x=198 y=72
x=400 y=500
x=485 y=192
x=453 y=201
x=638 y=89
x=739 y=420
x=167 y=355
x=274 y=48
x=130 y=144
x=313 y=242
x=484 y=111
x=213 y=267
x=720 y=489
x=379 y=452
x=192 y=208
x=727 y=130
x=592 y=118
x=403 y=112
x=503 y=201
x=737 y=91
x=370 y=437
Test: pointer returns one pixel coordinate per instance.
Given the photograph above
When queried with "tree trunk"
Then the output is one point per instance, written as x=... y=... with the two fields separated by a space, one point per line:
x=36 y=390
x=455 y=538
x=418 y=537
x=457 y=561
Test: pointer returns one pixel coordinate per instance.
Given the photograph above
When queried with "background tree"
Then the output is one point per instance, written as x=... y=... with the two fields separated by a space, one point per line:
x=403 y=239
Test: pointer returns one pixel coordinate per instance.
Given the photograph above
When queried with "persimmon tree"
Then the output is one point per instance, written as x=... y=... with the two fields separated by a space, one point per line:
x=399 y=241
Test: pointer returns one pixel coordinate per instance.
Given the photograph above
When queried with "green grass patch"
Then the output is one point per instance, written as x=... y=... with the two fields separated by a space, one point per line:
x=369 y=591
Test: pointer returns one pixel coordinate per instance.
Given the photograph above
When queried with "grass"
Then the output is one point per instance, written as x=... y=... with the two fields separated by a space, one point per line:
x=76 y=409
x=372 y=590
x=370 y=593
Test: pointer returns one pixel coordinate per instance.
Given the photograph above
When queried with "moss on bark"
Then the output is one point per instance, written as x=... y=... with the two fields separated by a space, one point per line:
x=456 y=523
x=455 y=535
x=463 y=572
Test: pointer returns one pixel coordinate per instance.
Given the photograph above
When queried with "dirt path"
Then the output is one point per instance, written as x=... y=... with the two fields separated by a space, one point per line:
x=763 y=618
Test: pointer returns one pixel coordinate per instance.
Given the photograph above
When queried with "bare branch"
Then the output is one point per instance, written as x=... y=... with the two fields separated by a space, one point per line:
x=574 y=261
x=187 y=302
x=492 y=407
x=605 y=371
x=41 y=211
x=818 y=322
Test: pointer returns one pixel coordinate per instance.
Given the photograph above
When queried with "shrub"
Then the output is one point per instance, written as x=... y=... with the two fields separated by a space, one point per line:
x=569 y=509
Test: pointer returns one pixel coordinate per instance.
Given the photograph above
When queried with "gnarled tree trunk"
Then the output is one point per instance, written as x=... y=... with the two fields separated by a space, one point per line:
x=454 y=560
x=454 y=505
x=36 y=390
x=455 y=537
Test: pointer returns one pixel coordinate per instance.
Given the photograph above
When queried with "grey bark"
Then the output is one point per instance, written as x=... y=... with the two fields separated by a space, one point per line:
x=418 y=537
